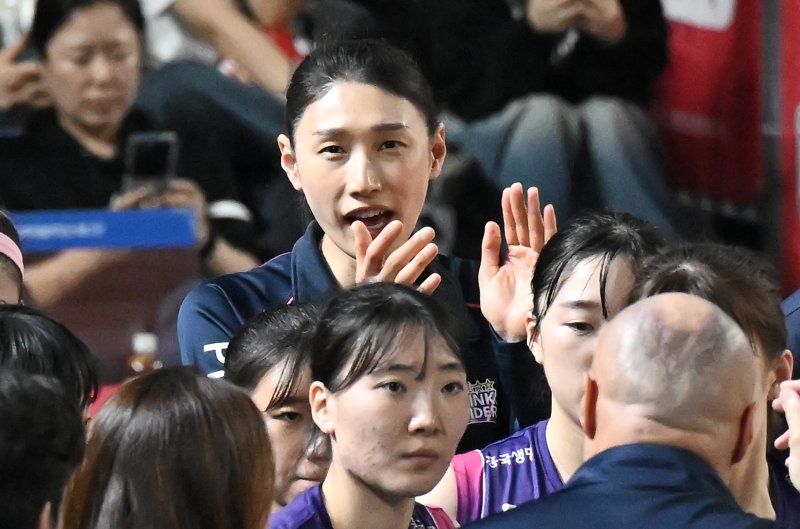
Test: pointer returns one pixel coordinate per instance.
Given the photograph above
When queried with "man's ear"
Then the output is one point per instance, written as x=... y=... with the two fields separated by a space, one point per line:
x=534 y=338
x=322 y=407
x=289 y=161
x=438 y=151
x=746 y=432
x=589 y=406
x=783 y=371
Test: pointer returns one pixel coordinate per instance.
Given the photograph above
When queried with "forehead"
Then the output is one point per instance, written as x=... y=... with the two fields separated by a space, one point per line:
x=583 y=283
x=410 y=349
x=96 y=23
x=357 y=107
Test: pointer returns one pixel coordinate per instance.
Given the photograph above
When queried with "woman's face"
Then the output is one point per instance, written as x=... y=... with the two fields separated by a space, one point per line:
x=361 y=153
x=92 y=69
x=396 y=429
x=289 y=427
x=568 y=333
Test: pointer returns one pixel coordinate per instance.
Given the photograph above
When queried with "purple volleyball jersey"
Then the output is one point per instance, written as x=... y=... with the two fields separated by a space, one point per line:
x=307 y=511
x=505 y=474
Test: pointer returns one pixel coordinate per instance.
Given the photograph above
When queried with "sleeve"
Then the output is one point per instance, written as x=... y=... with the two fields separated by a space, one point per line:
x=524 y=382
x=791 y=310
x=206 y=322
x=468 y=470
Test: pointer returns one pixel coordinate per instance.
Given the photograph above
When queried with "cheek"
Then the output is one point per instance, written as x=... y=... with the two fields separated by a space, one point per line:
x=287 y=448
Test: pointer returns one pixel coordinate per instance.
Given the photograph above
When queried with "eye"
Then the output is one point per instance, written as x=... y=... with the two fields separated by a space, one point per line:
x=331 y=149
x=581 y=327
x=289 y=416
x=391 y=144
x=453 y=387
x=81 y=58
x=393 y=387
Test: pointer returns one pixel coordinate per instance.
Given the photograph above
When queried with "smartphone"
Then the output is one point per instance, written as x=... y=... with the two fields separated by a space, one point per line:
x=151 y=159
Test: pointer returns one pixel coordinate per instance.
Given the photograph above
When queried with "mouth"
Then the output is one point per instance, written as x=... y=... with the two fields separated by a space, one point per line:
x=374 y=218
x=421 y=457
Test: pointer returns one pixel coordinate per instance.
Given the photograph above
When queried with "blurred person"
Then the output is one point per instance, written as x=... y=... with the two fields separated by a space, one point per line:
x=390 y=390
x=37 y=344
x=663 y=429
x=582 y=279
x=173 y=449
x=12 y=265
x=362 y=144
x=269 y=358
x=41 y=442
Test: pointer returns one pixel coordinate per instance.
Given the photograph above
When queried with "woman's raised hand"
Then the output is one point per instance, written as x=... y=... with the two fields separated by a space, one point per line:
x=375 y=261
x=505 y=287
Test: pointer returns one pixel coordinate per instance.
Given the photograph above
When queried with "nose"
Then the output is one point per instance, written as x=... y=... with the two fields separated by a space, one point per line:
x=363 y=177
x=318 y=448
x=425 y=415
x=100 y=68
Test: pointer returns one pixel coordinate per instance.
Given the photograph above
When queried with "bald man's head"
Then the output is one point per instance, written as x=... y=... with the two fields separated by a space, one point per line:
x=676 y=360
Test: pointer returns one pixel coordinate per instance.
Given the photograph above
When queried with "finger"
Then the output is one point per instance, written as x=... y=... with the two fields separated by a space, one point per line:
x=509 y=228
x=129 y=199
x=490 y=251
x=377 y=250
x=535 y=220
x=409 y=274
x=406 y=253
x=430 y=284
x=550 y=224
x=520 y=215
x=10 y=53
x=24 y=73
x=782 y=442
x=361 y=241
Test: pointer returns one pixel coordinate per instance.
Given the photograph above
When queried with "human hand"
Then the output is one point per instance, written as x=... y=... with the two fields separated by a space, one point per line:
x=554 y=16
x=603 y=19
x=375 y=261
x=505 y=288
x=788 y=402
x=20 y=82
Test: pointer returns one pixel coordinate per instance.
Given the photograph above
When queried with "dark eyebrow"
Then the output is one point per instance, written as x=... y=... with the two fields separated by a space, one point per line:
x=291 y=401
x=580 y=304
x=380 y=127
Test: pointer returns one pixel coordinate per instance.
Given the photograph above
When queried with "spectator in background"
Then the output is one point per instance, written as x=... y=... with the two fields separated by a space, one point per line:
x=663 y=429
x=41 y=442
x=12 y=267
x=37 y=344
x=71 y=156
x=552 y=93
x=269 y=358
x=173 y=449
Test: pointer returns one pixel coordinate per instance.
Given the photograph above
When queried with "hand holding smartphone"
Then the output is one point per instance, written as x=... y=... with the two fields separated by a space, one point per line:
x=151 y=160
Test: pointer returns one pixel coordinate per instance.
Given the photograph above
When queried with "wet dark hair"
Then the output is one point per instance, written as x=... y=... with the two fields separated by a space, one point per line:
x=372 y=62
x=51 y=15
x=602 y=235
x=7 y=228
x=362 y=326
x=41 y=442
x=174 y=449
x=38 y=344
x=267 y=340
x=739 y=281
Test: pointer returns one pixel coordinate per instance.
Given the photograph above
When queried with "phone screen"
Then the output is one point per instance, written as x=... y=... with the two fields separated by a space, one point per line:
x=150 y=159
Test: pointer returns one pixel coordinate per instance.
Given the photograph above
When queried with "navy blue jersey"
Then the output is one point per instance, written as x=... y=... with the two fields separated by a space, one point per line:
x=217 y=308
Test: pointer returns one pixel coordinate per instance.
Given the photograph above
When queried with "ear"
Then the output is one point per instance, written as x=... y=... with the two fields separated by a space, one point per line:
x=438 y=151
x=322 y=407
x=534 y=338
x=289 y=161
x=746 y=432
x=45 y=516
x=589 y=406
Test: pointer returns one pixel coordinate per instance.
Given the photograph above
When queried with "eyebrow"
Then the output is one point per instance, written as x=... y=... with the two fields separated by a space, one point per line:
x=288 y=402
x=380 y=127
x=580 y=304
x=407 y=368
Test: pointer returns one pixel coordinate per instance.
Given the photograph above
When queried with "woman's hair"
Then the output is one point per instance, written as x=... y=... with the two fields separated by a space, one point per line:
x=367 y=61
x=8 y=229
x=37 y=344
x=737 y=280
x=600 y=235
x=360 y=327
x=51 y=15
x=173 y=450
x=271 y=338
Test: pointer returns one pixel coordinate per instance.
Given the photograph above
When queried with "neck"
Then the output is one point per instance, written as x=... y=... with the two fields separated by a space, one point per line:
x=342 y=265
x=101 y=143
x=351 y=504
x=749 y=479
x=565 y=441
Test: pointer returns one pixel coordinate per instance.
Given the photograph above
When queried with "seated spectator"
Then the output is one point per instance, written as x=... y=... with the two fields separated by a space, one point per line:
x=36 y=344
x=365 y=184
x=555 y=94
x=269 y=358
x=173 y=449
x=72 y=156
x=41 y=442
x=582 y=279
x=746 y=288
x=663 y=428
x=390 y=390
x=12 y=266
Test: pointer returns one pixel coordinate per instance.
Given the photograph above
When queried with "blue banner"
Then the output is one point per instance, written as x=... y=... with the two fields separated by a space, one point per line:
x=49 y=231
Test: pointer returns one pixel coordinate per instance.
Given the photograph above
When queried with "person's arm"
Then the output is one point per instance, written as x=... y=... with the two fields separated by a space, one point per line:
x=236 y=37
x=20 y=82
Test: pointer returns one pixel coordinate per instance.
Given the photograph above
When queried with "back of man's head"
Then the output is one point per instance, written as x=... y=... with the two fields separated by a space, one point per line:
x=41 y=441
x=672 y=369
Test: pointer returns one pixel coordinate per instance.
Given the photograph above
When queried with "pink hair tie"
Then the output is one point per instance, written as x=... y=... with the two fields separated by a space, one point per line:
x=10 y=249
